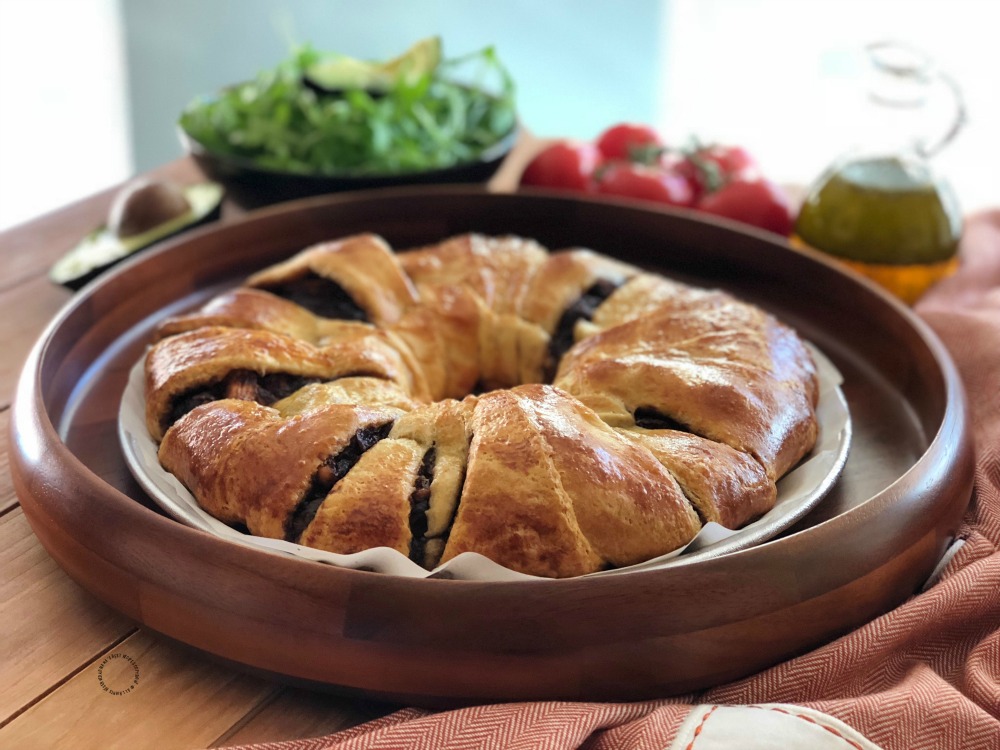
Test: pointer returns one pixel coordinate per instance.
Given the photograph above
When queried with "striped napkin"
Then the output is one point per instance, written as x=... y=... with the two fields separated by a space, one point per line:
x=925 y=676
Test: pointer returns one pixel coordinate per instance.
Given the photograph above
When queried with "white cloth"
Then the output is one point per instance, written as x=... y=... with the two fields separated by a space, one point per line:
x=766 y=726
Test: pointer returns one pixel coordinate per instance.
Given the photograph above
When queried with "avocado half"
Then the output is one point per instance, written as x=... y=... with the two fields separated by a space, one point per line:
x=338 y=73
x=103 y=248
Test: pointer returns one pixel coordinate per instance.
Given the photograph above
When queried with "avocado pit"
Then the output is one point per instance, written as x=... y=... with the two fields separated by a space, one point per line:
x=143 y=205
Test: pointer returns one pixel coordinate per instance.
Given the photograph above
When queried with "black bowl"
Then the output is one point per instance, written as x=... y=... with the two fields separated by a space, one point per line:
x=251 y=185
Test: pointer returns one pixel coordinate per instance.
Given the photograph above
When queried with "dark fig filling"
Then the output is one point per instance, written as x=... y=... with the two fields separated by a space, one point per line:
x=320 y=296
x=331 y=471
x=583 y=309
x=651 y=419
x=190 y=400
x=245 y=385
x=420 y=502
x=281 y=385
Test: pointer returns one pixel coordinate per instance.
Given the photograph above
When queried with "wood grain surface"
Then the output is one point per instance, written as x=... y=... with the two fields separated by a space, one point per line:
x=38 y=597
x=166 y=700
x=7 y=498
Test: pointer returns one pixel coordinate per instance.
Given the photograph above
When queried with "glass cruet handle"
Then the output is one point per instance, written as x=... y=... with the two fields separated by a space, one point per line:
x=908 y=74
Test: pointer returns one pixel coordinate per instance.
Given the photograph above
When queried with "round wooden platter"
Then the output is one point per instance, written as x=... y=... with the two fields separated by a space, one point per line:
x=869 y=545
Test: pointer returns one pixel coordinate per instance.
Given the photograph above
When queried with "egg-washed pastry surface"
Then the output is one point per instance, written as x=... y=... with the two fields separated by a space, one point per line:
x=559 y=412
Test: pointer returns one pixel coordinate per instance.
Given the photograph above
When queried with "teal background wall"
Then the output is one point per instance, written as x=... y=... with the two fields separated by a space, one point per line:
x=579 y=64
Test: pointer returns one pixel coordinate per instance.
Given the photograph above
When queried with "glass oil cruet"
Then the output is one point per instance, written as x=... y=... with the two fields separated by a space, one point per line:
x=880 y=207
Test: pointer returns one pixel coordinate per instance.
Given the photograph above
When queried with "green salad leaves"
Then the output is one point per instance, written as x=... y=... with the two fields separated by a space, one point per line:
x=438 y=119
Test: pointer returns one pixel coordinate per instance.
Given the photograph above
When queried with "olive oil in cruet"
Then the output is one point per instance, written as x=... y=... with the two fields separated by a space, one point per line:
x=881 y=208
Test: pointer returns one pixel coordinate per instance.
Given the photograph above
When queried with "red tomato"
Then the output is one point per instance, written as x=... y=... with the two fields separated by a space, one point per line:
x=566 y=164
x=754 y=201
x=708 y=168
x=731 y=160
x=618 y=141
x=645 y=182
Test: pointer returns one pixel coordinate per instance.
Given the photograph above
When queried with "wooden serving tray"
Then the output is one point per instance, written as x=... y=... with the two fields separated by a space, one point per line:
x=864 y=549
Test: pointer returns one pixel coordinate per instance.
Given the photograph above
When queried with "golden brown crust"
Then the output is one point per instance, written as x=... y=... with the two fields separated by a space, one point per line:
x=357 y=390
x=724 y=485
x=732 y=374
x=510 y=348
x=496 y=270
x=442 y=333
x=647 y=293
x=246 y=308
x=563 y=278
x=486 y=278
x=626 y=503
x=363 y=265
x=551 y=481
x=513 y=508
x=245 y=463
x=373 y=351
x=370 y=507
x=199 y=447
x=204 y=357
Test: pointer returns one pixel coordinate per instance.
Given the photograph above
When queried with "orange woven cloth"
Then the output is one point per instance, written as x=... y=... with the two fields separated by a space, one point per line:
x=924 y=676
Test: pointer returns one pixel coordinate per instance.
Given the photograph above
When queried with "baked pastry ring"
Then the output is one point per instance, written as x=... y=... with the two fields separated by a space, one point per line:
x=351 y=398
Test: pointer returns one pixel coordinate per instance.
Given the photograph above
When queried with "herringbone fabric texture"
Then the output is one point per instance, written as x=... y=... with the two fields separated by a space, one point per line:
x=925 y=676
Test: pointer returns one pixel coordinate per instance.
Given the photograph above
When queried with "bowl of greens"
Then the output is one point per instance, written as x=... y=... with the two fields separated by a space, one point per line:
x=321 y=122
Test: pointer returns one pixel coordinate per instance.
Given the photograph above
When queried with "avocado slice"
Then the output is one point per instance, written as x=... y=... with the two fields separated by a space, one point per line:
x=142 y=214
x=338 y=73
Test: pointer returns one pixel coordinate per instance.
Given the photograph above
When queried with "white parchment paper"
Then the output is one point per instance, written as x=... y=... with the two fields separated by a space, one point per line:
x=798 y=492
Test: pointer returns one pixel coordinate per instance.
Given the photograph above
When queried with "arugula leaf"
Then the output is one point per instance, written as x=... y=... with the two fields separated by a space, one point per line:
x=426 y=122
